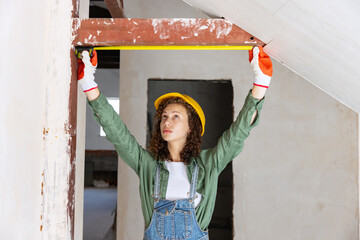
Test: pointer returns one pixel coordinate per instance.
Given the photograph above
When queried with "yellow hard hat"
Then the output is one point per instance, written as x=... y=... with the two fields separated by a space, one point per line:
x=187 y=99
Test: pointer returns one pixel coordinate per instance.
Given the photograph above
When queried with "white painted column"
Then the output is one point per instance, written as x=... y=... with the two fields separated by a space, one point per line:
x=56 y=152
x=34 y=111
x=22 y=102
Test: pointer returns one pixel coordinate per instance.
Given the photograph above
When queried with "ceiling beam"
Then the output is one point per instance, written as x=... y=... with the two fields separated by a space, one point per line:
x=116 y=8
x=160 y=32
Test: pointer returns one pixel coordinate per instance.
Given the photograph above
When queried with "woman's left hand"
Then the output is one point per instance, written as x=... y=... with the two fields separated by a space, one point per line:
x=261 y=65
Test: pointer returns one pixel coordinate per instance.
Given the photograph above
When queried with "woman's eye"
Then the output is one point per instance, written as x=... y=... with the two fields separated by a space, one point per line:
x=176 y=117
x=163 y=117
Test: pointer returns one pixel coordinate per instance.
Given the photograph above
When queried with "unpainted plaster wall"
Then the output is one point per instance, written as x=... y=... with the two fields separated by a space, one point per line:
x=297 y=177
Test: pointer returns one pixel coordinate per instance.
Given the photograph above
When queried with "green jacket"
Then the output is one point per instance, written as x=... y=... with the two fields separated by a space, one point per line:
x=211 y=161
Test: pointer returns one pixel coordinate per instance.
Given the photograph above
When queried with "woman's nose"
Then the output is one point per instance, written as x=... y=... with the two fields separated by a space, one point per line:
x=167 y=122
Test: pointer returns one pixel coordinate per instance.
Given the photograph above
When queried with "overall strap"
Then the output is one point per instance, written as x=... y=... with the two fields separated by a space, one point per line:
x=194 y=182
x=157 y=183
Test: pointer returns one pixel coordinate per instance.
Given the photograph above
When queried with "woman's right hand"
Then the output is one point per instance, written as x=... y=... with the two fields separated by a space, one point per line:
x=86 y=70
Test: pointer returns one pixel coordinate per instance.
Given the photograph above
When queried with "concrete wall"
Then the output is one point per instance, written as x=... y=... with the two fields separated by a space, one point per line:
x=297 y=177
x=34 y=120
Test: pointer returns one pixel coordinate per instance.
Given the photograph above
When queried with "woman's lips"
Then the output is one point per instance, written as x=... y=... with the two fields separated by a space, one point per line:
x=167 y=131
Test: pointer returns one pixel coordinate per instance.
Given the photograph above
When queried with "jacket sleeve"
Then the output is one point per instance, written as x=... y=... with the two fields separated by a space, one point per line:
x=117 y=133
x=231 y=143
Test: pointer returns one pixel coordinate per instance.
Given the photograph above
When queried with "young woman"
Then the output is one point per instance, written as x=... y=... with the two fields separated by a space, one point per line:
x=178 y=180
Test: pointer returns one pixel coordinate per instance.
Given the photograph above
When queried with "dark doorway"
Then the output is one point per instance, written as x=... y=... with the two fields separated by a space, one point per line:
x=216 y=99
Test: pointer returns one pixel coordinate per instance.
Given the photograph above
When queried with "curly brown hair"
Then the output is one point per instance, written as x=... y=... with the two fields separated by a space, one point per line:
x=158 y=146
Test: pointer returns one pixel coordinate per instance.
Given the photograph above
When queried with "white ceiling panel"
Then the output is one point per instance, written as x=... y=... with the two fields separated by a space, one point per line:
x=342 y=17
x=319 y=40
x=271 y=7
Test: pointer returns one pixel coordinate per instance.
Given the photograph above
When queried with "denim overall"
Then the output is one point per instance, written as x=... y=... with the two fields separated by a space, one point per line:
x=175 y=219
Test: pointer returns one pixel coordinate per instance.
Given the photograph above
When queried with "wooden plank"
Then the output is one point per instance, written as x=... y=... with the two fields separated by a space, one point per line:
x=149 y=32
x=115 y=8
x=71 y=129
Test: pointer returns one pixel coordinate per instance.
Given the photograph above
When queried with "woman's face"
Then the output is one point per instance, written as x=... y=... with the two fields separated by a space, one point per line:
x=174 y=124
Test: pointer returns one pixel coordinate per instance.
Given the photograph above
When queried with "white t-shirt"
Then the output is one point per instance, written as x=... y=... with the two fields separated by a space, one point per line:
x=178 y=183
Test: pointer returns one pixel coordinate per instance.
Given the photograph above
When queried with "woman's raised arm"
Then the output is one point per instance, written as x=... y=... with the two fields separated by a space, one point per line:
x=116 y=132
x=231 y=143
x=258 y=93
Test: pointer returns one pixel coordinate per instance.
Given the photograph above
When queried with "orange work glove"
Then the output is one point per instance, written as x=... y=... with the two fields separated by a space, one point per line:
x=261 y=65
x=86 y=70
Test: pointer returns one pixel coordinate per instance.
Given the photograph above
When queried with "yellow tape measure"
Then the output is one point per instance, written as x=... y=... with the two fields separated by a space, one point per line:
x=79 y=49
x=174 y=48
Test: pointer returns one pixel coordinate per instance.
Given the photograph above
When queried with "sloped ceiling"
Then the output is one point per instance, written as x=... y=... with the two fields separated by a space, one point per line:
x=319 y=40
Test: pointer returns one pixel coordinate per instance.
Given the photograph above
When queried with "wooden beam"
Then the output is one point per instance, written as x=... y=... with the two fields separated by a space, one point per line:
x=115 y=8
x=71 y=129
x=160 y=32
